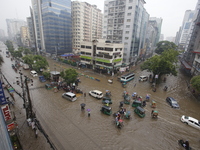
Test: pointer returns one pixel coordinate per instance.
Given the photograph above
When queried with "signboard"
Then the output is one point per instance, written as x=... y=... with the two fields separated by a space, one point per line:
x=2 y=95
x=11 y=126
x=6 y=112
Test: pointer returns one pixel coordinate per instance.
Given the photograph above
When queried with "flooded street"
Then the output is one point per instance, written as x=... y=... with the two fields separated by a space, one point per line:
x=69 y=128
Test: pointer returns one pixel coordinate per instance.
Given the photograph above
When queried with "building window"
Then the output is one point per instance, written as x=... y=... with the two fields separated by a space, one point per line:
x=129 y=14
x=128 y=20
x=130 y=1
x=127 y=26
x=126 y=38
x=127 y=32
x=82 y=46
x=130 y=7
x=88 y=47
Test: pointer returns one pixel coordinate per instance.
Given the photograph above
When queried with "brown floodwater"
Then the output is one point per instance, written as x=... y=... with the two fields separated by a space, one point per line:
x=70 y=128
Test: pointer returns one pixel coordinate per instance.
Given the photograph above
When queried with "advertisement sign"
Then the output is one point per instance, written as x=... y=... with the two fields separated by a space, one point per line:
x=11 y=126
x=6 y=112
x=2 y=95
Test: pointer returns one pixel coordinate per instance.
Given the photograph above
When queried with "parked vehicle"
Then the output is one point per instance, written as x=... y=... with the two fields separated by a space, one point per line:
x=106 y=110
x=127 y=77
x=154 y=114
x=143 y=78
x=96 y=93
x=136 y=103
x=172 y=102
x=25 y=66
x=191 y=121
x=107 y=100
x=140 y=111
x=69 y=96
x=33 y=73
x=42 y=79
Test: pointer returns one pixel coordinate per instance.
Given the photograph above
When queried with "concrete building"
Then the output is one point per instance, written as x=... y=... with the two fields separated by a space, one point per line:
x=31 y=32
x=13 y=28
x=158 y=26
x=125 y=21
x=86 y=23
x=24 y=36
x=191 y=58
x=52 y=26
x=101 y=55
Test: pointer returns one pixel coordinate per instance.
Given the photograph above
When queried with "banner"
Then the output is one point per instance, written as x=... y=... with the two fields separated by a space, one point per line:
x=11 y=126
x=6 y=112
x=2 y=95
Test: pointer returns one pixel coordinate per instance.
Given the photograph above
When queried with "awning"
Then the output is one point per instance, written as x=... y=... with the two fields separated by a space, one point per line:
x=186 y=65
x=196 y=51
x=66 y=55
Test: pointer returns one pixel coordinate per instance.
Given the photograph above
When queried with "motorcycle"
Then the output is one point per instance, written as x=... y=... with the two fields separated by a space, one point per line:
x=182 y=143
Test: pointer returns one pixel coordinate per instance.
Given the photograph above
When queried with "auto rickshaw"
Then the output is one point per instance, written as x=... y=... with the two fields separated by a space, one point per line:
x=48 y=86
x=153 y=104
x=127 y=115
x=127 y=99
x=106 y=101
x=136 y=103
x=140 y=111
x=154 y=114
x=106 y=110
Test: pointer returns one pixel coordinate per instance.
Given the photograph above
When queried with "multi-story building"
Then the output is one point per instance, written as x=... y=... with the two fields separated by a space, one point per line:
x=186 y=28
x=86 y=23
x=191 y=57
x=125 y=21
x=52 y=26
x=102 y=55
x=13 y=27
x=24 y=33
x=158 y=25
x=31 y=32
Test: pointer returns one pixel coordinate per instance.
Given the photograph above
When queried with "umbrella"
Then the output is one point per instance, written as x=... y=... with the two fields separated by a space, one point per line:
x=107 y=90
x=83 y=104
x=88 y=109
x=134 y=93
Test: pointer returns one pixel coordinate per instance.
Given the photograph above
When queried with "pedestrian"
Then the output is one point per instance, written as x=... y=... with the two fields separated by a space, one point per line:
x=33 y=125
x=135 y=85
x=88 y=113
x=84 y=94
x=36 y=133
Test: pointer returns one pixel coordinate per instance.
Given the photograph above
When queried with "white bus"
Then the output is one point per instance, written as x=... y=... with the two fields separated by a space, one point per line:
x=127 y=77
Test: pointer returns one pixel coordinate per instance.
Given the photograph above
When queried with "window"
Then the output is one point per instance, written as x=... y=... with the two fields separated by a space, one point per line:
x=82 y=46
x=130 y=7
x=129 y=14
x=127 y=32
x=88 y=47
x=128 y=20
x=130 y=1
x=127 y=26
x=126 y=38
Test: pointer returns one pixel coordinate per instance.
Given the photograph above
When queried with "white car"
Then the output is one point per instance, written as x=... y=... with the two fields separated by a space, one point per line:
x=143 y=78
x=191 y=121
x=33 y=73
x=96 y=93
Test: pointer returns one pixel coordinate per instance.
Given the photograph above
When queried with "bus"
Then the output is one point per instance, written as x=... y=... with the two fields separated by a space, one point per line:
x=127 y=77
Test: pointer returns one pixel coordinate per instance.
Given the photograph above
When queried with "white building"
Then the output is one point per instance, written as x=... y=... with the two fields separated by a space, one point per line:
x=86 y=23
x=125 y=21
x=102 y=55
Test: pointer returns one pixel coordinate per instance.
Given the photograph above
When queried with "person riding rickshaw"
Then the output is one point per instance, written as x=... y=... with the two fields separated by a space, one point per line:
x=127 y=114
x=154 y=114
x=153 y=104
x=119 y=123
x=127 y=99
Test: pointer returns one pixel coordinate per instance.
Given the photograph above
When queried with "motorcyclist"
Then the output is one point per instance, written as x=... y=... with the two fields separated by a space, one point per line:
x=187 y=147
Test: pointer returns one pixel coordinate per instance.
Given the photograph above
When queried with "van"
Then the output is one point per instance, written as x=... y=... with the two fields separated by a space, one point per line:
x=69 y=96
x=96 y=93
x=25 y=66
x=33 y=73
x=127 y=77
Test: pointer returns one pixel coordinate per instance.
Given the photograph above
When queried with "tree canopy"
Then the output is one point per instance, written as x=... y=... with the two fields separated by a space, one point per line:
x=69 y=75
x=36 y=62
x=164 y=45
x=195 y=82
x=162 y=64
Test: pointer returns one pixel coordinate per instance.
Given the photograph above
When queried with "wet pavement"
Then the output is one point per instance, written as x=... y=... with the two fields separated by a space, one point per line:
x=70 y=128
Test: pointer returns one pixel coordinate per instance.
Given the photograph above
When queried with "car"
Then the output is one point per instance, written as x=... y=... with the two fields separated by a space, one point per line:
x=96 y=93
x=191 y=121
x=143 y=78
x=33 y=73
x=172 y=102
x=69 y=96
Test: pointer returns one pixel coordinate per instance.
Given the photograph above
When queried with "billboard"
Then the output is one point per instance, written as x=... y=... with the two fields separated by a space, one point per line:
x=2 y=95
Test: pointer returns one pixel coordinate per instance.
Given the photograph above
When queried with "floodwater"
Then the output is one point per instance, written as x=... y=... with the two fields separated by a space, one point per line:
x=69 y=128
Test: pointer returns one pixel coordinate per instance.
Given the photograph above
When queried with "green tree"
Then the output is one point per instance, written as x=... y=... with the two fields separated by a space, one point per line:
x=17 y=54
x=36 y=62
x=27 y=51
x=164 y=45
x=162 y=64
x=69 y=75
x=10 y=46
x=47 y=75
x=195 y=82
